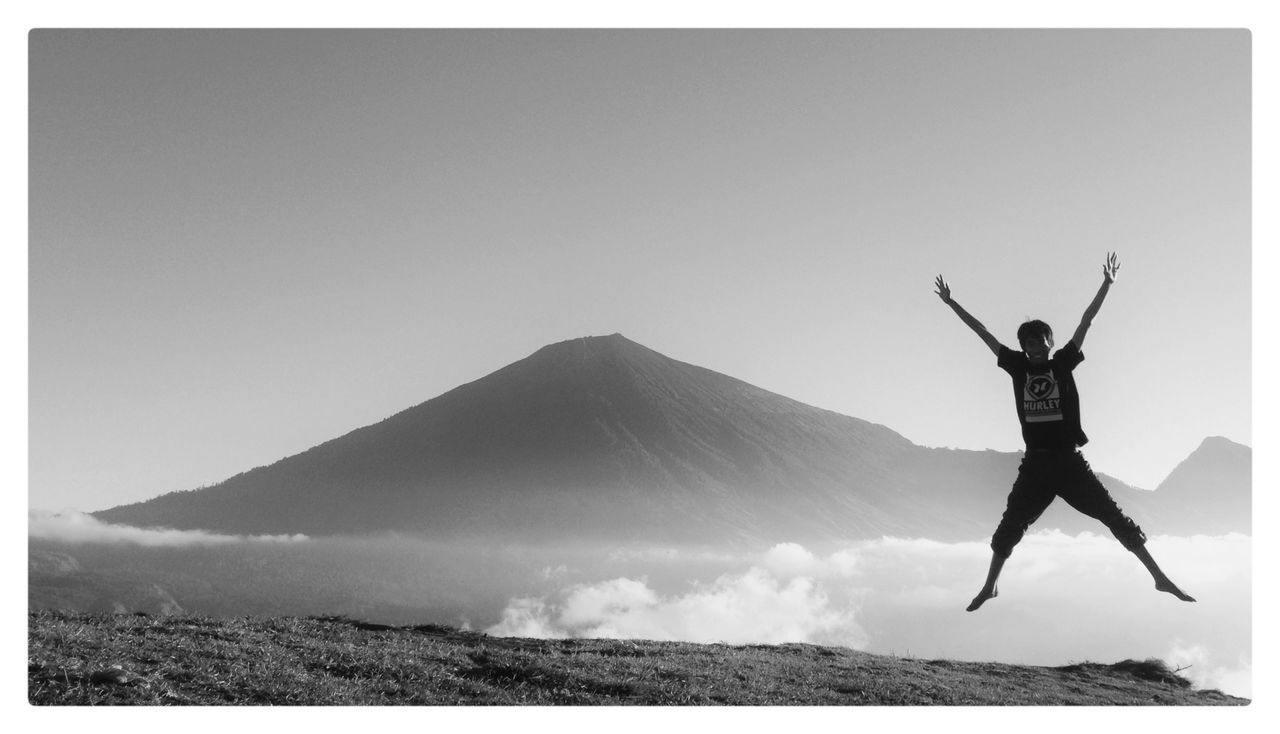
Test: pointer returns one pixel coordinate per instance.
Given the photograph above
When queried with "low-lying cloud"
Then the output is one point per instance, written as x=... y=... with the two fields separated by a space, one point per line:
x=1063 y=599
x=1196 y=664
x=754 y=606
x=76 y=528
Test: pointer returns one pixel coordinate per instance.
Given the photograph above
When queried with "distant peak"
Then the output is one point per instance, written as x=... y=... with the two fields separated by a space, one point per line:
x=1211 y=450
x=1214 y=453
x=1212 y=443
x=1216 y=440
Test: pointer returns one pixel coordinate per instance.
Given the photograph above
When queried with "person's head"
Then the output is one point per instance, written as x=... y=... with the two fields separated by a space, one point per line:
x=1036 y=339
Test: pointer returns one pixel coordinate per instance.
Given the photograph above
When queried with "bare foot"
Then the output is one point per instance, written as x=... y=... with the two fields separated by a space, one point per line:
x=981 y=598
x=1168 y=586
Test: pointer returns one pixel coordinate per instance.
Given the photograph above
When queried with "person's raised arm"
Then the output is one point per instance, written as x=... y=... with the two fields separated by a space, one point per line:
x=1109 y=270
x=944 y=292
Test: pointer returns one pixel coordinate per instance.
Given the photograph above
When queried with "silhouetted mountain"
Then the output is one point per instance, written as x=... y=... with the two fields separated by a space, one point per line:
x=601 y=437
x=1210 y=492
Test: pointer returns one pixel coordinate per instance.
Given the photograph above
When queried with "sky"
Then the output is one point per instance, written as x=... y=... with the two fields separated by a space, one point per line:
x=243 y=243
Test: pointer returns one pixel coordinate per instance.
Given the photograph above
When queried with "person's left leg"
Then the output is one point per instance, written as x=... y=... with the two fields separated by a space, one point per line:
x=1163 y=582
x=1082 y=490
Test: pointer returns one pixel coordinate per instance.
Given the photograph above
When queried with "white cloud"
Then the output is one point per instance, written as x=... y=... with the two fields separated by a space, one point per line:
x=895 y=594
x=526 y=617
x=929 y=596
x=619 y=598
x=77 y=527
x=789 y=559
x=1196 y=664
x=754 y=606
x=1095 y=596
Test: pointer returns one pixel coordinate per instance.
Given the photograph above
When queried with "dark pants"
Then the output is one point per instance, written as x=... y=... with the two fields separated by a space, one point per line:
x=1044 y=475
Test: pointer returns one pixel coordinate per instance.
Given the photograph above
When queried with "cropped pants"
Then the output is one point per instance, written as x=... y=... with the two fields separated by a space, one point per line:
x=1046 y=474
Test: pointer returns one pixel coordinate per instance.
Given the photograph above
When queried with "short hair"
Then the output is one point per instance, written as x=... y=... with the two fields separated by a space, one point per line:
x=1034 y=328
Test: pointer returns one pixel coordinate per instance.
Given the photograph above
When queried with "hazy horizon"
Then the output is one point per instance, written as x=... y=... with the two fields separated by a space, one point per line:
x=892 y=596
x=243 y=243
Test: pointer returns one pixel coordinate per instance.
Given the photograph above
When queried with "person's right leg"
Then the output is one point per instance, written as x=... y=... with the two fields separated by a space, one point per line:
x=1028 y=499
x=988 y=590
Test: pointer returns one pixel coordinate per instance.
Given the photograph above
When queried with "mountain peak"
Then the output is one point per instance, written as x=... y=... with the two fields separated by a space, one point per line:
x=1219 y=443
x=595 y=344
x=592 y=354
x=1212 y=450
x=1216 y=482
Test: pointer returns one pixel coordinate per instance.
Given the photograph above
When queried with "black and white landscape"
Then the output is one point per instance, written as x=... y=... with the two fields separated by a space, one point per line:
x=600 y=488
x=326 y=321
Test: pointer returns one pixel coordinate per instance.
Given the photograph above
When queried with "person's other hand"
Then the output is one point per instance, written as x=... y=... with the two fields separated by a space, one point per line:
x=944 y=291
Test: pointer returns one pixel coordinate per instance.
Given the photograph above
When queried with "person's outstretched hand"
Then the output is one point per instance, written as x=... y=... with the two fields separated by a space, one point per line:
x=1109 y=269
x=944 y=290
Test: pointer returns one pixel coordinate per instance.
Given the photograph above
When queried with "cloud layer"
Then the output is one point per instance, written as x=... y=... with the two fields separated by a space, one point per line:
x=754 y=606
x=77 y=527
x=1063 y=599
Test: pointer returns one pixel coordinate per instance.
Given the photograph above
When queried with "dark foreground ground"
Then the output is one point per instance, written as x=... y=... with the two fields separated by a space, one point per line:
x=77 y=659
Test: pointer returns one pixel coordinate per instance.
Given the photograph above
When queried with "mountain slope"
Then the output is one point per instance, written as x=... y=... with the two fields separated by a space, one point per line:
x=600 y=428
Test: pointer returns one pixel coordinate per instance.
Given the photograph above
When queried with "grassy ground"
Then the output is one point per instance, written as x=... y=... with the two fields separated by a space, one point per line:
x=77 y=659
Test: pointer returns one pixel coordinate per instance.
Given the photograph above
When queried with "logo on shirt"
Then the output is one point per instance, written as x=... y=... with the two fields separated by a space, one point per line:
x=1041 y=399
x=1040 y=387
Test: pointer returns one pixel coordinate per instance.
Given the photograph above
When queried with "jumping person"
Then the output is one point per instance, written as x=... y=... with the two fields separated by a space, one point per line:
x=1049 y=411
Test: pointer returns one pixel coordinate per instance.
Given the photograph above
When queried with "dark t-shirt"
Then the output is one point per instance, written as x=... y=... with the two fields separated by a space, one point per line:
x=1047 y=401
